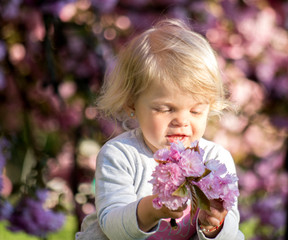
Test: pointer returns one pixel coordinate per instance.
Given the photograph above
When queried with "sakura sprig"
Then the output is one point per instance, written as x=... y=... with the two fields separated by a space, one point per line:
x=183 y=174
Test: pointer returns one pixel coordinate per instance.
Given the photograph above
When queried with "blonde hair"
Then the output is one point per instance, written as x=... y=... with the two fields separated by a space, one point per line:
x=169 y=52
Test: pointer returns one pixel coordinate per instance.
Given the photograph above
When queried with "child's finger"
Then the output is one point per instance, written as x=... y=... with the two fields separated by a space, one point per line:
x=208 y=220
x=217 y=204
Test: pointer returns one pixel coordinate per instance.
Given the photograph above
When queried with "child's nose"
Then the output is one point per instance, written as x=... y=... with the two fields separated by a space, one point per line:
x=180 y=119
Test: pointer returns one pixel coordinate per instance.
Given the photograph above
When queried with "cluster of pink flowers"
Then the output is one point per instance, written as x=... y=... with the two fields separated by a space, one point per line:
x=182 y=174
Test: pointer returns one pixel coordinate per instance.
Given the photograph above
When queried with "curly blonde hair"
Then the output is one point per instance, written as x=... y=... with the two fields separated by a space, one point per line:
x=169 y=52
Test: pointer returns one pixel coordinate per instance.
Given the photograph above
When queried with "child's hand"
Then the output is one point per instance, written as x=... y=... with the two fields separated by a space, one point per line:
x=148 y=216
x=210 y=221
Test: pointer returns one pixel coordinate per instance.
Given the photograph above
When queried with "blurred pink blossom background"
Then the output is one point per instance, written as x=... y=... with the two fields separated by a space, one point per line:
x=53 y=55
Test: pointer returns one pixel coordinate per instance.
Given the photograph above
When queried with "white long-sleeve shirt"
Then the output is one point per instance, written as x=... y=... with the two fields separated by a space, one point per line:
x=123 y=171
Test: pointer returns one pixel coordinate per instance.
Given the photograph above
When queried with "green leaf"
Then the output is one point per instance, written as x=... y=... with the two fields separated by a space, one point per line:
x=197 y=179
x=203 y=201
x=181 y=191
x=207 y=171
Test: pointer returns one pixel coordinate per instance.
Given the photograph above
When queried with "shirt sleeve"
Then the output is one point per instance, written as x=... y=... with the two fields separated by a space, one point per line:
x=115 y=197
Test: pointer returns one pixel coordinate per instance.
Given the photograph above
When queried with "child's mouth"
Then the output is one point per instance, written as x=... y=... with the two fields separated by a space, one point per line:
x=176 y=138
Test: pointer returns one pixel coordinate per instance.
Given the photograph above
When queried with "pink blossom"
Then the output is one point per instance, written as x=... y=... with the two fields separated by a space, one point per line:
x=249 y=182
x=216 y=166
x=166 y=179
x=230 y=190
x=169 y=174
x=216 y=187
x=176 y=150
x=157 y=203
x=191 y=164
x=180 y=168
x=162 y=155
x=211 y=186
x=174 y=202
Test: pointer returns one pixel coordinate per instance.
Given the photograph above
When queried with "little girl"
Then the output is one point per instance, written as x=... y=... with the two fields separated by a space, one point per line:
x=167 y=79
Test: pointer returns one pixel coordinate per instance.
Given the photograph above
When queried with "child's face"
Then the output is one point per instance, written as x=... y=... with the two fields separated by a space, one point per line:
x=167 y=114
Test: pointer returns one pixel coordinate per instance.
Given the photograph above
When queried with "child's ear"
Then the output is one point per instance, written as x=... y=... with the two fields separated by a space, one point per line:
x=129 y=109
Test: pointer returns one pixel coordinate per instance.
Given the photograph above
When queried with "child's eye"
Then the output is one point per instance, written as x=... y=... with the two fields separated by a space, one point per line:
x=162 y=110
x=195 y=112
